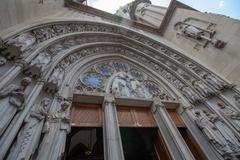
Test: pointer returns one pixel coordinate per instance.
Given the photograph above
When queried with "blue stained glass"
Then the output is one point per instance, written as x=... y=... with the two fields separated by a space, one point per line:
x=152 y=87
x=120 y=67
x=105 y=69
x=93 y=80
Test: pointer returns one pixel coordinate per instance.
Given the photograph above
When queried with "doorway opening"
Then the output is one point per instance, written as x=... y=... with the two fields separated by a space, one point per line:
x=85 y=144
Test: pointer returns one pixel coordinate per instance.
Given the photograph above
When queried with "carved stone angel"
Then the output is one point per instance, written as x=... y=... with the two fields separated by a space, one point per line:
x=231 y=115
x=53 y=143
x=11 y=100
x=227 y=133
x=212 y=80
x=29 y=136
x=202 y=88
x=190 y=95
x=24 y=41
x=212 y=133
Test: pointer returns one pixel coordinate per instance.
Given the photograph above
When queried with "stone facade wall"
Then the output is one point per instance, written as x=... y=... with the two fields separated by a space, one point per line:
x=225 y=61
x=18 y=11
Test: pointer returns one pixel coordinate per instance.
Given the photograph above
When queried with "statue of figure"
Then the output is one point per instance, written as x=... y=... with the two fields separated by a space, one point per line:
x=42 y=61
x=53 y=143
x=212 y=80
x=43 y=34
x=24 y=41
x=11 y=100
x=226 y=132
x=57 y=76
x=119 y=86
x=127 y=86
x=39 y=65
x=237 y=100
x=212 y=133
x=190 y=95
x=55 y=80
x=202 y=88
x=29 y=136
x=231 y=115
x=3 y=61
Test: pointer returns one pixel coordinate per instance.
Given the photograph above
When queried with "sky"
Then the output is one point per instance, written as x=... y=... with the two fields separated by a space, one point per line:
x=226 y=7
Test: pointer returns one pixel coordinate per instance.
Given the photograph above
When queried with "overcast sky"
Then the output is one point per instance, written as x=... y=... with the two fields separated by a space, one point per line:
x=226 y=7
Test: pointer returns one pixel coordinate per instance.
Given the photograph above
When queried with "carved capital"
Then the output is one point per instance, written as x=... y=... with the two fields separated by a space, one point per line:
x=109 y=98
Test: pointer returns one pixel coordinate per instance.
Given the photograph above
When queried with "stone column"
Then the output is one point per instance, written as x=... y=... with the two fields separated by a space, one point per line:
x=12 y=130
x=174 y=141
x=112 y=139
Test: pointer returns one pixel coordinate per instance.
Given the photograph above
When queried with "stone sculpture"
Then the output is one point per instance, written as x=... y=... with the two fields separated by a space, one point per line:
x=126 y=86
x=23 y=41
x=53 y=143
x=55 y=79
x=29 y=136
x=231 y=115
x=12 y=100
x=39 y=64
x=212 y=133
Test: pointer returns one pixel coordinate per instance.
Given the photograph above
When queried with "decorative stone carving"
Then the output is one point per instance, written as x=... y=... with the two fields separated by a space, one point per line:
x=126 y=86
x=230 y=114
x=237 y=100
x=16 y=46
x=39 y=65
x=213 y=135
x=53 y=143
x=190 y=95
x=55 y=80
x=202 y=88
x=213 y=81
x=198 y=33
x=11 y=101
x=23 y=41
x=29 y=136
x=3 y=61
x=227 y=133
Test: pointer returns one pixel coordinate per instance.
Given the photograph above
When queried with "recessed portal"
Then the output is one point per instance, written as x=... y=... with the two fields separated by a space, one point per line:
x=138 y=143
x=85 y=144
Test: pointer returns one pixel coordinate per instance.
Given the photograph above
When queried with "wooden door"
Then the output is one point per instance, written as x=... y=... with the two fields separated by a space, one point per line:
x=135 y=117
x=190 y=141
x=160 y=148
x=86 y=115
x=176 y=118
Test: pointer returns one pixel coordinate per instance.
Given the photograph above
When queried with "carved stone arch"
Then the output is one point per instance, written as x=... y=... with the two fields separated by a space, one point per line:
x=79 y=68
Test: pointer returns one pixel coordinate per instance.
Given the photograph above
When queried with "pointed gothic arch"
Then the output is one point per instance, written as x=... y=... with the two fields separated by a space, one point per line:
x=77 y=45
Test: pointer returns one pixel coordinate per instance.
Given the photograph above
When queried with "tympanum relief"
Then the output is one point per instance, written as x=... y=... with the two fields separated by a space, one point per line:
x=127 y=82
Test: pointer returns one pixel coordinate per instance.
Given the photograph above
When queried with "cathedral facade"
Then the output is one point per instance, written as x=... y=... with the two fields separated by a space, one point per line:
x=150 y=83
